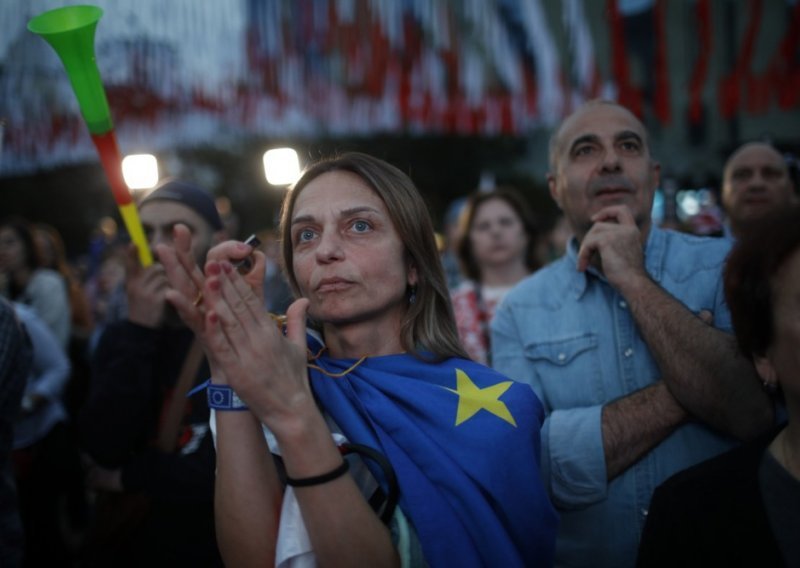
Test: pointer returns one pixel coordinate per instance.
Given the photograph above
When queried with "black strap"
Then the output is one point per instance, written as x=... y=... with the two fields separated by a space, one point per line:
x=393 y=493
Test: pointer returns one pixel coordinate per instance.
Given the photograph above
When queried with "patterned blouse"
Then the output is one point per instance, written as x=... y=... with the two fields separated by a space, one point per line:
x=474 y=306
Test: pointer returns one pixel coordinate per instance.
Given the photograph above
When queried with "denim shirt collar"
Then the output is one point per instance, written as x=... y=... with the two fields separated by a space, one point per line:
x=654 y=251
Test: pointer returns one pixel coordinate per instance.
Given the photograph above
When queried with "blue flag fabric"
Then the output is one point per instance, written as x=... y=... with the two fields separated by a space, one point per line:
x=464 y=443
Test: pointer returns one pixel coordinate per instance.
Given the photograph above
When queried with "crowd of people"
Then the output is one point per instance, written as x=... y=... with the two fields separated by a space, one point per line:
x=351 y=391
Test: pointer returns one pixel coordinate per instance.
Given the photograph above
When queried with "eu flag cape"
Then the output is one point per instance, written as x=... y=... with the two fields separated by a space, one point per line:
x=464 y=443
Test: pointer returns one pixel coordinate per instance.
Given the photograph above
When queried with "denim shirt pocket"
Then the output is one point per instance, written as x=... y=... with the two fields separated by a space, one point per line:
x=568 y=370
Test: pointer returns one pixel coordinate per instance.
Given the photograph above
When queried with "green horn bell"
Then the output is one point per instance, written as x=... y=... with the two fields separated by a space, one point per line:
x=70 y=31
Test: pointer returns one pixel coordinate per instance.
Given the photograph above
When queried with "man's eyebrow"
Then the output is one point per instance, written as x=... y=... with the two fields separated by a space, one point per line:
x=586 y=138
x=343 y=213
x=628 y=135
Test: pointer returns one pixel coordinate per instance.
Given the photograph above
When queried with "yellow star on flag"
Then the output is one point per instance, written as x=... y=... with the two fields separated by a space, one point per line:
x=471 y=399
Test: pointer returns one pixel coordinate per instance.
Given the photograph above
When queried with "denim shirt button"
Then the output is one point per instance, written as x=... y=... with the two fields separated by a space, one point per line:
x=561 y=356
x=628 y=352
x=623 y=304
x=644 y=512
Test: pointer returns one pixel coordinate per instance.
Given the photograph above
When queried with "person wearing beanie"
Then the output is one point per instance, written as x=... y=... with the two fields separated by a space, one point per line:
x=149 y=450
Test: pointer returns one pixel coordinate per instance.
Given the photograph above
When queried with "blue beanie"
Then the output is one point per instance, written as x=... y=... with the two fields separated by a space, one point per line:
x=191 y=196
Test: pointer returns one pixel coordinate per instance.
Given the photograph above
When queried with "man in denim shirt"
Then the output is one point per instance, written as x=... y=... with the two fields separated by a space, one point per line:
x=635 y=384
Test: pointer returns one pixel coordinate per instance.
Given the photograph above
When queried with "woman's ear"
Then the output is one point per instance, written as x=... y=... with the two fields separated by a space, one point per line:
x=413 y=277
x=766 y=371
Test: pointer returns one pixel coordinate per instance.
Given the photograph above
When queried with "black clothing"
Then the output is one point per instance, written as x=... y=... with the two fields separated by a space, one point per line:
x=134 y=371
x=15 y=362
x=712 y=514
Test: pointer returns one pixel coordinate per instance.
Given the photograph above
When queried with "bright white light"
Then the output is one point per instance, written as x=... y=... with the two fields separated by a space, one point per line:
x=688 y=202
x=281 y=166
x=140 y=171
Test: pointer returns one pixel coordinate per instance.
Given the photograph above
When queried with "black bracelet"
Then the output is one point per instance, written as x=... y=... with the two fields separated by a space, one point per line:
x=319 y=479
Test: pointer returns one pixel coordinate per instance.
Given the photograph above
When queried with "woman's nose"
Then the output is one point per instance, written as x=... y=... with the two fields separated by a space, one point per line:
x=329 y=247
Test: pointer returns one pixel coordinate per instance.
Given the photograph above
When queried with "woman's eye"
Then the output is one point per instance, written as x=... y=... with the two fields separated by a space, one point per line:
x=305 y=235
x=361 y=226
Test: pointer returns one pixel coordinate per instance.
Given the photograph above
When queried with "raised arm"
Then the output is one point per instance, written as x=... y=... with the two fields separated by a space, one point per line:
x=699 y=363
x=268 y=371
x=248 y=493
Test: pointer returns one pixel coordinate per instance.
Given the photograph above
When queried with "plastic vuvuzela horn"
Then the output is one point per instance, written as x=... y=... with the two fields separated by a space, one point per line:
x=70 y=31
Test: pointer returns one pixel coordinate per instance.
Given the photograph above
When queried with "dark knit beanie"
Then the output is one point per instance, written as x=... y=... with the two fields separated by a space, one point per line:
x=189 y=195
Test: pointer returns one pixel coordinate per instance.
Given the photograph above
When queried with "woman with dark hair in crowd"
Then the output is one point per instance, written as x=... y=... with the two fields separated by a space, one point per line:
x=498 y=248
x=383 y=377
x=54 y=257
x=743 y=507
x=28 y=282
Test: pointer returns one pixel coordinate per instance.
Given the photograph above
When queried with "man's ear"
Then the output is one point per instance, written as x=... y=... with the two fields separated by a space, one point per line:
x=766 y=370
x=656 y=173
x=553 y=187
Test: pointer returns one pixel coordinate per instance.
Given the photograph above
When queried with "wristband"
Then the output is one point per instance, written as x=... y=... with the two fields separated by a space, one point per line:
x=222 y=397
x=319 y=479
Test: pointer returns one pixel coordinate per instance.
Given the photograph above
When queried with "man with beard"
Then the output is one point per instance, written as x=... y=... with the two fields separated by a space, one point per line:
x=756 y=182
x=615 y=340
x=149 y=450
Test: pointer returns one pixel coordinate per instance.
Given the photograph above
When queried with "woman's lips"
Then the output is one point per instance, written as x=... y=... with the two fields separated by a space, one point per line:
x=333 y=284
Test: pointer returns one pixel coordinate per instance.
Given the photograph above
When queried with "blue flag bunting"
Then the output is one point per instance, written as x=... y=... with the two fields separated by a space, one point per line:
x=464 y=443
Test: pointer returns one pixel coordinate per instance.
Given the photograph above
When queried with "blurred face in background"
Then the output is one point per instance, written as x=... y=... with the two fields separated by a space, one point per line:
x=497 y=235
x=756 y=181
x=12 y=250
x=112 y=273
x=46 y=248
x=159 y=218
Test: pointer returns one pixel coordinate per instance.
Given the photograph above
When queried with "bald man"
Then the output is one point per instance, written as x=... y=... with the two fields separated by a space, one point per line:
x=636 y=386
x=755 y=181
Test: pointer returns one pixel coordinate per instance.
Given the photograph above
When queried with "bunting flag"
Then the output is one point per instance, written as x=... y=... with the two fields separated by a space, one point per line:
x=464 y=443
x=629 y=95
x=700 y=70
x=661 y=99
x=731 y=86
x=188 y=73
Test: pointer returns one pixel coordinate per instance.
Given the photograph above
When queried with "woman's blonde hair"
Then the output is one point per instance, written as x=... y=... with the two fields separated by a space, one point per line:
x=428 y=328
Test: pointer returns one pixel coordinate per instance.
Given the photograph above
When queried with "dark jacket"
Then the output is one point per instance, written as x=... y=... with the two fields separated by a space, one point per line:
x=712 y=514
x=15 y=362
x=134 y=370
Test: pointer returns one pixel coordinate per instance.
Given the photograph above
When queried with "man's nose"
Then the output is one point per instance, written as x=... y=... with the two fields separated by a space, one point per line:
x=757 y=182
x=609 y=161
